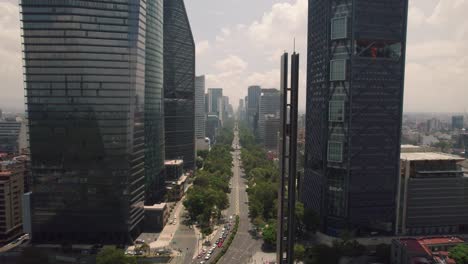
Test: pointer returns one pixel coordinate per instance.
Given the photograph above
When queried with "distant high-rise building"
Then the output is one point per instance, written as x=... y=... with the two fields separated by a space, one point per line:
x=241 y=110
x=95 y=119
x=355 y=78
x=269 y=104
x=212 y=126
x=10 y=136
x=252 y=105
x=458 y=122
x=214 y=94
x=433 y=125
x=271 y=124
x=207 y=100
x=179 y=84
x=200 y=115
x=221 y=110
x=227 y=107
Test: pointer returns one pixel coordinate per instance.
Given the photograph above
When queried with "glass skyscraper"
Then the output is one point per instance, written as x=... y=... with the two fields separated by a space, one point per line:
x=179 y=84
x=214 y=95
x=93 y=89
x=154 y=103
x=254 y=93
x=355 y=78
x=200 y=115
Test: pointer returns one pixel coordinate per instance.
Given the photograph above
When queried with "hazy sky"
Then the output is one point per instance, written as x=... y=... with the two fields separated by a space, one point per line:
x=239 y=43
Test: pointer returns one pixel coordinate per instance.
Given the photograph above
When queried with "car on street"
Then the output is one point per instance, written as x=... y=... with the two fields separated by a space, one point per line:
x=220 y=244
x=207 y=257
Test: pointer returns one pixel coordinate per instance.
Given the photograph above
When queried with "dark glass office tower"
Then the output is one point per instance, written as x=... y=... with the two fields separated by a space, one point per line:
x=355 y=77
x=154 y=103
x=179 y=84
x=85 y=89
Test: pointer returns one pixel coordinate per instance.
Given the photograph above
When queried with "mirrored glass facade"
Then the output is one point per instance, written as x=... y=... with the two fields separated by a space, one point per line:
x=355 y=79
x=154 y=103
x=85 y=92
x=179 y=84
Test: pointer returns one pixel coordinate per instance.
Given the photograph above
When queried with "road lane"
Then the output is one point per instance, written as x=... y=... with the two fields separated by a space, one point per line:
x=244 y=245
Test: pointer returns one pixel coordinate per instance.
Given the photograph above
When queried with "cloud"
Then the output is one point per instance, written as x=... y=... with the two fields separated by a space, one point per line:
x=231 y=65
x=247 y=51
x=437 y=63
x=281 y=24
x=260 y=43
x=12 y=95
x=202 y=47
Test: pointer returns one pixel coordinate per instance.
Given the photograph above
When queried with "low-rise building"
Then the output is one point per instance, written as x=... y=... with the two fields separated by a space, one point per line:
x=11 y=192
x=176 y=179
x=203 y=143
x=424 y=250
x=432 y=198
x=156 y=217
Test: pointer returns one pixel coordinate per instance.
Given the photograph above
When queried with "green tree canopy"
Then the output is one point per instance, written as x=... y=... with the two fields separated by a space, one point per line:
x=299 y=252
x=459 y=254
x=109 y=255
x=269 y=234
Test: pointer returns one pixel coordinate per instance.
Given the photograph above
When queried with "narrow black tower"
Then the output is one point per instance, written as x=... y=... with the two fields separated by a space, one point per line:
x=288 y=159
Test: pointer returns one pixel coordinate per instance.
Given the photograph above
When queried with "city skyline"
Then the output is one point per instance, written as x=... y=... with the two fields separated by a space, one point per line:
x=129 y=149
x=239 y=52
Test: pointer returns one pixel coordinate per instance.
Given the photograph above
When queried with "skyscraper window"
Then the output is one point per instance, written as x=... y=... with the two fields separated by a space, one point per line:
x=338 y=70
x=335 y=151
x=338 y=28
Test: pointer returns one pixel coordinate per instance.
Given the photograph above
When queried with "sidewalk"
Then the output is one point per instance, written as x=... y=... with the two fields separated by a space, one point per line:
x=168 y=232
x=263 y=257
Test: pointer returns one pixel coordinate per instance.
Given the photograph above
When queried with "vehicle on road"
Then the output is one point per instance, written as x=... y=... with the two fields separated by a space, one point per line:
x=207 y=257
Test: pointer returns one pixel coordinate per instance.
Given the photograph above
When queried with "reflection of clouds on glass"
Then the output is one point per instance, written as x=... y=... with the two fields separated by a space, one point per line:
x=378 y=49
